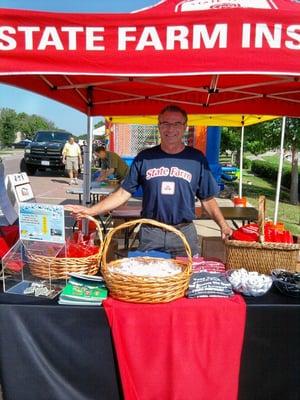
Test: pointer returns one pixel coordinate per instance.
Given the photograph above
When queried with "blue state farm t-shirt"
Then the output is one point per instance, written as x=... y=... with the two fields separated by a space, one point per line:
x=170 y=183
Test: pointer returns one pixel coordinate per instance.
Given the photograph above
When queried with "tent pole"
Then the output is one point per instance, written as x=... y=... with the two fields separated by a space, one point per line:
x=279 y=175
x=87 y=160
x=241 y=159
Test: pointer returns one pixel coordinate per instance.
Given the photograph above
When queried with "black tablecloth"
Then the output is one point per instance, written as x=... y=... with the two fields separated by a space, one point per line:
x=56 y=352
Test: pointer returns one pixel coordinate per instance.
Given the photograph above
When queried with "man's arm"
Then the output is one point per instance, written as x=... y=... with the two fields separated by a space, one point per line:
x=64 y=152
x=105 y=173
x=211 y=207
x=111 y=202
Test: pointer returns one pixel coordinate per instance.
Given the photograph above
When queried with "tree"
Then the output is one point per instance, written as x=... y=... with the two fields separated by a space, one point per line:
x=266 y=136
x=29 y=124
x=292 y=144
x=293 y=140
x=99 y=124
x=231 y=139
x=8 y=126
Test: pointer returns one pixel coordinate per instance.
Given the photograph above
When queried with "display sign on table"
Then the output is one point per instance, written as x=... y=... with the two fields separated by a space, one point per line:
x=42 y=222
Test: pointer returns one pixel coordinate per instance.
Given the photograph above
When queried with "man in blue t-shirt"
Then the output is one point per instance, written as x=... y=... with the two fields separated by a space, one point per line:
x=171 y=176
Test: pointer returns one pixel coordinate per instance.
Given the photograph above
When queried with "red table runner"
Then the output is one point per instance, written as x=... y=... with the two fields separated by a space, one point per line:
x=186 y=349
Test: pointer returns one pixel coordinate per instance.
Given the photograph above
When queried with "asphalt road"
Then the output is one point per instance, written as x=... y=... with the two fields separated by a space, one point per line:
x=47 y=186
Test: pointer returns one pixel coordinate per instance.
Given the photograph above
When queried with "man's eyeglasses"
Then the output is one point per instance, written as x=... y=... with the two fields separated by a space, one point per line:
x=166 y=125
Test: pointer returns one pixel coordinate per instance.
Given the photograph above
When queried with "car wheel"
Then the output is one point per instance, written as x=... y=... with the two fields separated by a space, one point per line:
x=30 y=170
x=27 y=168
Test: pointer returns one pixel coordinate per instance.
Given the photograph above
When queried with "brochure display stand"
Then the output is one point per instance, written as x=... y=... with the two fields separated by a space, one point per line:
x=42 y=233
x=18 y=277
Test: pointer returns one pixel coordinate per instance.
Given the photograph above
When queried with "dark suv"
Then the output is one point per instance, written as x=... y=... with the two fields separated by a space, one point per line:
x=45 y=152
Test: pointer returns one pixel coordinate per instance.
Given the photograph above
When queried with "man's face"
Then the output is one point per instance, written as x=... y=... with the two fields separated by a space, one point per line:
x=71 y=140
x=171 y=128
x=102 y=155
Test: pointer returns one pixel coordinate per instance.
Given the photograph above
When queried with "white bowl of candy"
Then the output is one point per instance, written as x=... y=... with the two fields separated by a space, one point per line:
x=249 y=283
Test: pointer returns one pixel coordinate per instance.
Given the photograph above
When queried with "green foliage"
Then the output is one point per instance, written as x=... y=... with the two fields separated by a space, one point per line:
x=99 y=124
x=8 y=126
x=269 y=170
x=262 y=137
x=254 y=186
x=230 y=139
x=29 y=124
x=82 y=137
x=266 y=136
x=12 y=122
x=246 y=163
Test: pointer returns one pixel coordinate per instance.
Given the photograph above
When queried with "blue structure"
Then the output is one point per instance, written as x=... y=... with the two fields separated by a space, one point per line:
x=213 y=144
x=129 y=159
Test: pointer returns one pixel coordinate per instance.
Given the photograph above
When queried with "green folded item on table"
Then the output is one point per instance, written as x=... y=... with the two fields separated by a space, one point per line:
x=85 y=290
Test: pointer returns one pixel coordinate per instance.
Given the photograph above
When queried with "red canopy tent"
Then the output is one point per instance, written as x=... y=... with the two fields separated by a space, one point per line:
x=208 y=56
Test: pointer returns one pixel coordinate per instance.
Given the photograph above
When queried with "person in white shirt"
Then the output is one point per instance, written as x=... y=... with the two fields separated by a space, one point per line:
x=72 y=159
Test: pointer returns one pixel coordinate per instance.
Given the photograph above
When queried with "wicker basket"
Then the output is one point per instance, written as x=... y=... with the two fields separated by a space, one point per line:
x=142 y=289
x=53 y=268
x=261 y=256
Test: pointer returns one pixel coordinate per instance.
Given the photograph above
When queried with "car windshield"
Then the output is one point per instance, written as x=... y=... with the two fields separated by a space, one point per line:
x=52 y=136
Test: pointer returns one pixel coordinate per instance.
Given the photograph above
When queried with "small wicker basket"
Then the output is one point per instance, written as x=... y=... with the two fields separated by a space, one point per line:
x=54 y=268
x=144 y=289
x=261 y=256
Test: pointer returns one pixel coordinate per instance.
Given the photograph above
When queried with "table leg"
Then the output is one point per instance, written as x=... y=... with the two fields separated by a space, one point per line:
x=235 y=224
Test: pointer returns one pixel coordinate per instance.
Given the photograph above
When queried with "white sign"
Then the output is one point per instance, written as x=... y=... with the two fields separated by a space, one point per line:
x=7 y=210
x=199 y=5
x=42 y=222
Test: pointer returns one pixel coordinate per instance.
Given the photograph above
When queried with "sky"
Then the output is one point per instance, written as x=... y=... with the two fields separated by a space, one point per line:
x=24 y=101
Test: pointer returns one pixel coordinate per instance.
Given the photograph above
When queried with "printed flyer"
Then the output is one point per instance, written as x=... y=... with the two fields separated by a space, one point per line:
x=43 y=222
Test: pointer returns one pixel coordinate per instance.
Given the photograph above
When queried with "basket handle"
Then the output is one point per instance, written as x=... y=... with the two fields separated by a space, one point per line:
x=148 y=222
x=99 y=230
x=261 y=217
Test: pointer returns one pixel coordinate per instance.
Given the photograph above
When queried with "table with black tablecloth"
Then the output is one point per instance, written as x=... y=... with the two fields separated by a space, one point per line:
x=57 y=352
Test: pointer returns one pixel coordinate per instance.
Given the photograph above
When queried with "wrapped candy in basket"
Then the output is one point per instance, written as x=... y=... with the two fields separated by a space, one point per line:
x=146 y=279
x=79 y=256
x=261 y=256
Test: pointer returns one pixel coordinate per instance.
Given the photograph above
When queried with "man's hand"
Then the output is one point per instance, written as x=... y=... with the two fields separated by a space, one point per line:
x=226 y=232
x=211 y=207
x=78 y=211
x=101 y=177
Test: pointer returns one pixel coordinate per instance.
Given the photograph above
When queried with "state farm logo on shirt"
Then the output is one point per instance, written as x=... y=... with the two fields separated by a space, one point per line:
x=165 y=171
x=199 y=5
x=168 y=188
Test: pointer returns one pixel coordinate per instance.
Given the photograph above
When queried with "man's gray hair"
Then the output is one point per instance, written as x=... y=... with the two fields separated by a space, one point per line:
x=173 y=108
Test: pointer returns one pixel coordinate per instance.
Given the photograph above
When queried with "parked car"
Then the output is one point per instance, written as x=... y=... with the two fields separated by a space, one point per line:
x=45 y=152
x=21 y=144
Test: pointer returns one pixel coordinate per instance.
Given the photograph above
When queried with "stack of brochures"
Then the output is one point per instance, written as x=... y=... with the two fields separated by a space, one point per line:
x=83 y=290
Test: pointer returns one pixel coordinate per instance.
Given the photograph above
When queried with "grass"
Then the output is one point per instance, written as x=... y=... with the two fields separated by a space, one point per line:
x=253 y=186
x=5 y=151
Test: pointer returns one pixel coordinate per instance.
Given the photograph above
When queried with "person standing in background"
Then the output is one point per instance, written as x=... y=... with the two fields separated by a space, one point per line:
x=72 y=159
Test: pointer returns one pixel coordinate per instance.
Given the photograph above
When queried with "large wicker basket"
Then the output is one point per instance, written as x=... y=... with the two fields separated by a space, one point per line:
x=261 y=256
x=53 y=268
x=142 y=289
